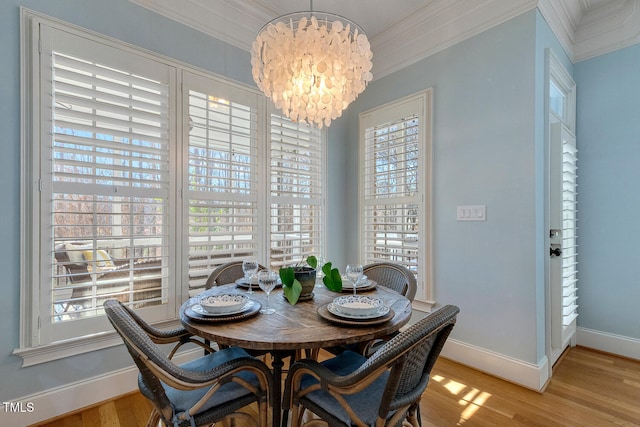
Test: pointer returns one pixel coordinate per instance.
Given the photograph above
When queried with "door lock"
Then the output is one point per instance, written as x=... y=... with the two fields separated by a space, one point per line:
x=555 y=252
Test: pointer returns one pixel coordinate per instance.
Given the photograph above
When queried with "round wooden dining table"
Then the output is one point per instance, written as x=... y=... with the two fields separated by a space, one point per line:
x=307 y=325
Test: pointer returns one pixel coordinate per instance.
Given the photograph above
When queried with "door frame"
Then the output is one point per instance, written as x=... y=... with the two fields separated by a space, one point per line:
x=554 y=70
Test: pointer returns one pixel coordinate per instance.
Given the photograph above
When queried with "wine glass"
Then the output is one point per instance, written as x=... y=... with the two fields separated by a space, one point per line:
x=354 y=274
x=319 y=273
x=267 y=280
x=249 y=268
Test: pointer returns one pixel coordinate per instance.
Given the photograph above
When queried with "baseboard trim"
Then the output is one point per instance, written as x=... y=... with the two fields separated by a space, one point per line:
x=528 y=375
x=609 y=343
x=55 y=402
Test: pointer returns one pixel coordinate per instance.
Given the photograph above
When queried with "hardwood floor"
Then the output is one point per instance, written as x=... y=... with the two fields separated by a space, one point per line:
x=588 y=389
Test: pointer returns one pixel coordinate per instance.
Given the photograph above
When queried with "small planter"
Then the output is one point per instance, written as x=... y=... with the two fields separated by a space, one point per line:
x=307 y=278
x=298 y=281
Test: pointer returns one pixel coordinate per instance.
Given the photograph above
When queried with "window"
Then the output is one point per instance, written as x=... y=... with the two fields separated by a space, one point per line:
x=103 y=168
x=296 y=191
x=225 y=210
x=222 y=185
x=395 y=154
x=145 y=176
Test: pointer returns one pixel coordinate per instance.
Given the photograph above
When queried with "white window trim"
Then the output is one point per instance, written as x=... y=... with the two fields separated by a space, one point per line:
x=563 y=80
x=28 y=350
x=424 y=300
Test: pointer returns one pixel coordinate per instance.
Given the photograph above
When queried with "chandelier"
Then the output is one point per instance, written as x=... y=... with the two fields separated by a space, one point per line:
x=311 y=65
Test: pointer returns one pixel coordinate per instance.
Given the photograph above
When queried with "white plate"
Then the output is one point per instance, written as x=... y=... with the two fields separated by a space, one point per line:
x=198 y=309
x=224 y=303
x=335 y=310
x=357 y=305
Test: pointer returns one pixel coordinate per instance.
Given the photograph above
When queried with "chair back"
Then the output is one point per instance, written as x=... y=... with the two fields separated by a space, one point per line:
x=200 y=392
x=226 y=273
x=145 y=354
x=393 y=276
x=411 y=356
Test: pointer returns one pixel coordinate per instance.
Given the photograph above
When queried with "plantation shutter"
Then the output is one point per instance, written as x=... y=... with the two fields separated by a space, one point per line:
x=296 y=191
x=392 y=200
x=563 y=236
x=108 y=182
x=222 y=176
x=569 y=233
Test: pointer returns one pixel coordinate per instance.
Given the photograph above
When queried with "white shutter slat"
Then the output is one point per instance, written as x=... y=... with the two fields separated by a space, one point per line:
x=105 y=124
x=155 y=149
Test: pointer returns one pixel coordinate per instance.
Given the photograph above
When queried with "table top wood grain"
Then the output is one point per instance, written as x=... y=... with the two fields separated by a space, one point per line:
x=298 y=326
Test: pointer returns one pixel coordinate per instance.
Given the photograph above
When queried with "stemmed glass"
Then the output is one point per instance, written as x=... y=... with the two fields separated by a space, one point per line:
x=319 y=273
x=354 y=274
x=267 y=280
x=249 y=268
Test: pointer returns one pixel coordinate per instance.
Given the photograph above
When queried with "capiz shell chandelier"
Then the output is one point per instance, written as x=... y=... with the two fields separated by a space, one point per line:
x=311 y=65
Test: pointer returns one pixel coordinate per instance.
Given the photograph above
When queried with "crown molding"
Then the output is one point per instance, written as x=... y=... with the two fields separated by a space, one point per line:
x=437 y=26
x=561 y=21
x=613 y=26
x=234 y=22
x=584 y=29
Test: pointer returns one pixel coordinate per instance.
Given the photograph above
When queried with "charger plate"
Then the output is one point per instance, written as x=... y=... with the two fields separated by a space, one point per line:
x=251 y=309
x=371 y=285
x=324 y=312
x=241 y=283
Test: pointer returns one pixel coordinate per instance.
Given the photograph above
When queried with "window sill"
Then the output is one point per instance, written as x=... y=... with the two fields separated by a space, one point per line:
x=59 y=350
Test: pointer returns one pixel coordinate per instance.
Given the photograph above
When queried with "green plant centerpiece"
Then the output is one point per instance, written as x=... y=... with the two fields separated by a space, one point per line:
x=298 y=281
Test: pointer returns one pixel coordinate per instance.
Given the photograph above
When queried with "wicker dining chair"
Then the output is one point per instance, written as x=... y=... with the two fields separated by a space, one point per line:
x=227 y=273
x=178 y=336
x=390 y=275
x=393 y=276
x=383 y=390
x=200 y=392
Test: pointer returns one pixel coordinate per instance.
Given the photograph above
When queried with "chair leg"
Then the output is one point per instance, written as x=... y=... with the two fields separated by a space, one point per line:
x=413 y=415
x=154 y=419
x=296 y=415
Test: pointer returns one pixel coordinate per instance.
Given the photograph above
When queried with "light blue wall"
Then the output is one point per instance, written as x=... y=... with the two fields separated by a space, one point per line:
x=608 y=139
x=484 y=153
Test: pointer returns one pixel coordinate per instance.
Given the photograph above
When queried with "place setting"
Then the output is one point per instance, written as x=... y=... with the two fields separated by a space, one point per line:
x=356 y=310
x=222 y=308
x=249 y=281
x=364 y=284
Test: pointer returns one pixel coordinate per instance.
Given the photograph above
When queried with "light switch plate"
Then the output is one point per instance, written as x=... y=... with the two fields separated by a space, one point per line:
x=472 y=213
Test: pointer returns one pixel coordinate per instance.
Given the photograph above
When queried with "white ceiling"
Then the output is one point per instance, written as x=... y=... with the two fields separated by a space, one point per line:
x=404 y=31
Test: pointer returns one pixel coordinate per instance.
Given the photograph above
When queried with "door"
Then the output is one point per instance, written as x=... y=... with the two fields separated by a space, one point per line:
x=563 y=251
